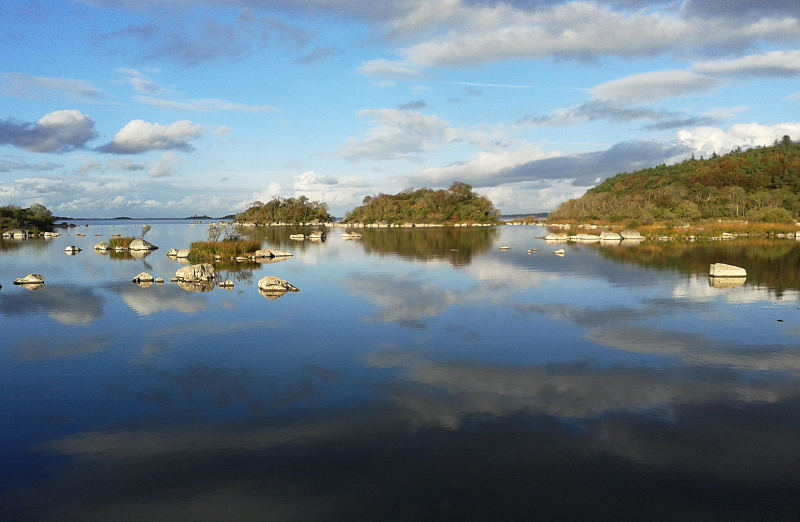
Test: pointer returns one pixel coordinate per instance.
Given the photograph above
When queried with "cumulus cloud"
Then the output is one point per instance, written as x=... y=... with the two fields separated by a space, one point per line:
x=59 y=131
x=338 y=192
x=655 y=85
x=17 y=85
x=139 y=136
x=707 y=140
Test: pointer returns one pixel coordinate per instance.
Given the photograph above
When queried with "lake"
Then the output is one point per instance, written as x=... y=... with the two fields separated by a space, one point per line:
x=418 y=374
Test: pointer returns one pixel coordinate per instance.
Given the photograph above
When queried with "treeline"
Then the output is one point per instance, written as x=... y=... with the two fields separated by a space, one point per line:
x=36 y=216
x=457 y=204
x=758 y=184
x=286 y=210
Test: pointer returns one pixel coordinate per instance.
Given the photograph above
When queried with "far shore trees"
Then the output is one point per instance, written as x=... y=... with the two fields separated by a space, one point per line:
x=36 y=217
x=761 y=184
x=286 y=210
x=457 y=204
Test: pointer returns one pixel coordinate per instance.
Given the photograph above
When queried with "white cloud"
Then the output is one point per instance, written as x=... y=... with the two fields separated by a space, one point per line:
x=771 y=64
x=657 y=85
x=59 y=131
x=140 y=136
x=17 y=85
x=165 y=166
x=706 y=140
x=204 y=105
x=400 y=134
x=389 y=69
x=337 y=192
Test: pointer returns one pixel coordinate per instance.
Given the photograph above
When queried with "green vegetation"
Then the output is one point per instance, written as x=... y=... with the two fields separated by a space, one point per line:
x=36 y=216
x=761 y=184
x=286 y=210
x=205 y=251
x=120 y=242
x=458 y=204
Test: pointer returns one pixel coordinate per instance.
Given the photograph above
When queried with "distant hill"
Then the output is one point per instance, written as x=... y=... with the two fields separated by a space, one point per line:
x=758 y=184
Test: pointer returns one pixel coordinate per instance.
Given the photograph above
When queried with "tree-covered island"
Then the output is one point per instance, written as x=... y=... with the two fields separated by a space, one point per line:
x=286 y=210
x=35 y=217
x=457 y=204
x=761 y=184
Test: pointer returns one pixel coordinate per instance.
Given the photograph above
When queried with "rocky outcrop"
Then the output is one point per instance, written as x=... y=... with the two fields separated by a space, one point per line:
x=141 y=244
x=274 y=284
x=72 y=249
x=204 y=272
x=30 y=279
x=723 y=270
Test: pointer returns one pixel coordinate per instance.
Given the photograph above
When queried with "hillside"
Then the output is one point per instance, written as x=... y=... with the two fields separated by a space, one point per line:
x=757 y=184
x=458 y=204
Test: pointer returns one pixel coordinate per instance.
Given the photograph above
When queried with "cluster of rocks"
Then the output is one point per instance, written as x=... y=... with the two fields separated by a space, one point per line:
x=629 y=235
x=313 y=236
x=137 y=245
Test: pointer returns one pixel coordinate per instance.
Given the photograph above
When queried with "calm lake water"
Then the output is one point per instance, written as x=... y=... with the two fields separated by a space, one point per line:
x=417 y=375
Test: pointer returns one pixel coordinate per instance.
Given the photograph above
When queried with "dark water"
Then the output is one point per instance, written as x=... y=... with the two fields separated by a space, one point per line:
x=417 y=375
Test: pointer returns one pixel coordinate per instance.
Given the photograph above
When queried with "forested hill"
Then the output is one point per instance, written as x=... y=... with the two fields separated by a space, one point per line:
x=758 y=184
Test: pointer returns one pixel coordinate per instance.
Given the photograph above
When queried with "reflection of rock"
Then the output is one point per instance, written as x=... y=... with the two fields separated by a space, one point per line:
x=271 y=285
x=139 y=254
x=723 y=270
x=726 y=282
x=101 y=247
x=196 y=286
x=204 y=272
x=141 y=244
x=144 y=284
x=272 y=294
x=144 y=277
x=72 y=250
x=31 y=286
x=30 y=279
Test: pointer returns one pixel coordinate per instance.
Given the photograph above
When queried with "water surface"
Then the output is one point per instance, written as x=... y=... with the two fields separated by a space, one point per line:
x=418 y=375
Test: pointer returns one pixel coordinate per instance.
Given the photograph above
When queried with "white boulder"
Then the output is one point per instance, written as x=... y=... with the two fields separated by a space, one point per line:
x=30 y=279
x=274 y=284
x=204 y=272
x=723 y=270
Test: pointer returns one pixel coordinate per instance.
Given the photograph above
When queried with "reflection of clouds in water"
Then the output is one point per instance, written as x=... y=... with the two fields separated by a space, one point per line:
x=698 y=289
x=47 y=347
x=698 y=350
x=571 y=391
x=72 y=306
x=148 y=301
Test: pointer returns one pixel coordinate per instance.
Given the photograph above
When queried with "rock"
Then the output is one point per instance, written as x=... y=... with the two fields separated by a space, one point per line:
x=631 y=234
x=281 y=253
x=72 y=249
x=559 y=252
x=144 y=277
x=317 y=234
x=587 y=237
x=260 y=254
x=101 y=247
x=226 y=284
x=17 y=233
x=183 y=253
x=159 y=280
x=297 y=237
x=172 y=253
x=556 y=237
x=609 y=236
x=274 y=284
x=30 y=279
x=141 y=244
x=203 y=272
x=723 y=270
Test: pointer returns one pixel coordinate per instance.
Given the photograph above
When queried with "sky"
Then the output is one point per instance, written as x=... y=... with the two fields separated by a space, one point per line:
x=172 y=108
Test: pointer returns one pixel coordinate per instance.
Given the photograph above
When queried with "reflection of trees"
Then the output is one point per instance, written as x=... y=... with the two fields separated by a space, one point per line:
x=278 y=237
x=455 y=244
x=770 y=263
x=37 y=243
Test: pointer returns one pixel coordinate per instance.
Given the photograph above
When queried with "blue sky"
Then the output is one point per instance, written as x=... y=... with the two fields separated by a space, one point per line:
x=167 y=108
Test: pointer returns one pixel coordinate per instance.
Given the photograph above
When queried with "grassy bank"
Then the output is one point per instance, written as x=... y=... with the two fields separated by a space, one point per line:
x=203 y=251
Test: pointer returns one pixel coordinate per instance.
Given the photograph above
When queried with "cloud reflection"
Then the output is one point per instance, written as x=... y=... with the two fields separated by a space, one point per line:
x=72 y=306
